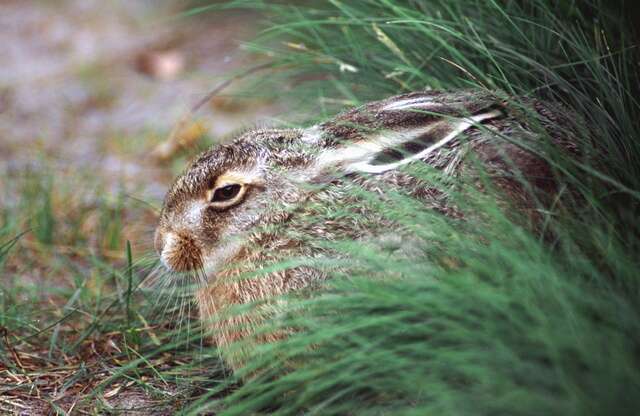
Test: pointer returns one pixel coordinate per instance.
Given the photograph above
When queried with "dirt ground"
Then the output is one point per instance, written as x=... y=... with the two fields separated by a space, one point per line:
x=88 y=91
x=78 y=76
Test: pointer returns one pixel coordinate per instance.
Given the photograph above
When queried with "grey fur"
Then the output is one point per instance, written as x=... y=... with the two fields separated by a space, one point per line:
x=272 y=222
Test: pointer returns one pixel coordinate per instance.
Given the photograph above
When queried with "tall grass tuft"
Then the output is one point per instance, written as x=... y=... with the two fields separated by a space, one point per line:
x=37 y=197
x=489 y=316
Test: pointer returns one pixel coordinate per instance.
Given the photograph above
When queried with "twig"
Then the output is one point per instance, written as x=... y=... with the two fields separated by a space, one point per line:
x=5 y=336
x=224 y=84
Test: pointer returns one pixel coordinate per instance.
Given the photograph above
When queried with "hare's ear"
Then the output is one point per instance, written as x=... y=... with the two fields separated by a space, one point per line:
x=385 y=135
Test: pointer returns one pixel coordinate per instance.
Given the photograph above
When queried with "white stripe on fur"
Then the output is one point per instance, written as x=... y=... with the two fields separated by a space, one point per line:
x=408 y=103
x=357 y=157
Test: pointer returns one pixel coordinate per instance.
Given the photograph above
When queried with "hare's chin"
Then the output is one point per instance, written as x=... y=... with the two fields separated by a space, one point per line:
x=165 y=263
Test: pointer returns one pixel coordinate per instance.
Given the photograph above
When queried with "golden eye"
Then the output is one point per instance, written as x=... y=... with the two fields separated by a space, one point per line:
x=226 y=193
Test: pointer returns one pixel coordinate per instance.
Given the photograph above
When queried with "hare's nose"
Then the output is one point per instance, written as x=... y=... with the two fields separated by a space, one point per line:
x=158 y=241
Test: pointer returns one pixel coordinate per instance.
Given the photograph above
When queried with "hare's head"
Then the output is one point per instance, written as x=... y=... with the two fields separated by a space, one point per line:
x=259 y=179
x=225 y=193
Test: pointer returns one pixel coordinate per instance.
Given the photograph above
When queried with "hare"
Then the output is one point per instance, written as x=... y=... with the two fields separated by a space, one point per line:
x=243 y=205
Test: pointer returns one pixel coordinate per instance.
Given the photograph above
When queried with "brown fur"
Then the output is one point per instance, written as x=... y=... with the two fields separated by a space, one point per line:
x=283 y=208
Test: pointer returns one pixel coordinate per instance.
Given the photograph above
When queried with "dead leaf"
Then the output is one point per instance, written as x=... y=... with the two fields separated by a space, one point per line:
x=162 y=65
x=112 y=392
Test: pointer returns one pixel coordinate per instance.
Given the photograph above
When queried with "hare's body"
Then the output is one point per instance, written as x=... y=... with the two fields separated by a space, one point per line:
x=264 y=196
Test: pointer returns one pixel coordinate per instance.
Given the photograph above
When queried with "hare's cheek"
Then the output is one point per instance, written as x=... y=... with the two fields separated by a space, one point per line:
x=212 y=228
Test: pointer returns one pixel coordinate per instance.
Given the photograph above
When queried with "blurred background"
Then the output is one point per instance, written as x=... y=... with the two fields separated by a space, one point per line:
x=91 y=93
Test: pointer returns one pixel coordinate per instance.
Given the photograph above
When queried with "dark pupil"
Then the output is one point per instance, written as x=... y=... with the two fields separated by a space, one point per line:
x=226 y=193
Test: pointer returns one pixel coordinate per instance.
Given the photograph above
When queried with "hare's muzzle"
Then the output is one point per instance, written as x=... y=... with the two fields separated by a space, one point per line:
x=178 y=252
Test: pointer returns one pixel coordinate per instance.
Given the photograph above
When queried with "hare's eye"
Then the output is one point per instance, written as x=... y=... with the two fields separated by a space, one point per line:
x=226 y=193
